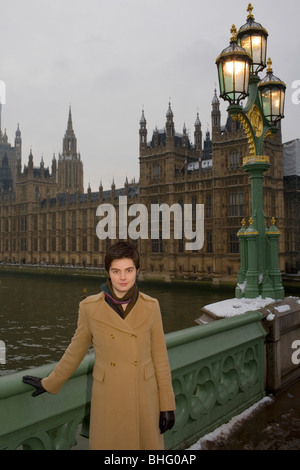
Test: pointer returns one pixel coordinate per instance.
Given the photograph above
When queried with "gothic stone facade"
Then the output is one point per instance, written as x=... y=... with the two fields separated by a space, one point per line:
x=173 y=170
x=49 y=219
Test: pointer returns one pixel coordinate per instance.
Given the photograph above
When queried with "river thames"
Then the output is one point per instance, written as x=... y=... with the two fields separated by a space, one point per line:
x=38 y=313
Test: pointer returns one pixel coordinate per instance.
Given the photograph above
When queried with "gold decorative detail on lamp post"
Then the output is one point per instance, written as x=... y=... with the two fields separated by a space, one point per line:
x=249 y=10
x=256 y=158
x=243 y=121
x=256 y=120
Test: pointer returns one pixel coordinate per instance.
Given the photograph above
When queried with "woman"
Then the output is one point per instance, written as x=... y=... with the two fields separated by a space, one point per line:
x=132 y=398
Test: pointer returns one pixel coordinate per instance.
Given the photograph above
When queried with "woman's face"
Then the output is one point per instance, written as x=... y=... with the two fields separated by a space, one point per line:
x=122 y=273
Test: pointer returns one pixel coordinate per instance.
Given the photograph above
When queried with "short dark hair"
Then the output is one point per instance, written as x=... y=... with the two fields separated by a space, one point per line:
x=121 y=250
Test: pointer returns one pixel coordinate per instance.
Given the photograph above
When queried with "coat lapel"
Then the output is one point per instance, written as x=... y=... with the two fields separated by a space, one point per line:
x=138 y=314
x=105 y=314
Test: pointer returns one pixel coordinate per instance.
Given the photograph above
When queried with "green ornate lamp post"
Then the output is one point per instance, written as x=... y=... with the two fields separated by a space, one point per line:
x=238 y=67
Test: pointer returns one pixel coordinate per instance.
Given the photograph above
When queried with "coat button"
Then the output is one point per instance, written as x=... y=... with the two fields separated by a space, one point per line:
x=135 y=363
x=113 y=364
x=112 y=336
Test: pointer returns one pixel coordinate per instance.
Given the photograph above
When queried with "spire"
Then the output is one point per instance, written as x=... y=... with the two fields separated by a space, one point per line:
x=169 y=112
x=143 y=120
x=143 y=132
x=30 y=161
x=185 y=138
x=215 y=116
x=18 y=143
x=70 y=167
x=197 y=122
x=70 y=141
x=18 y=132
x=215 y=98
x=170 y=128
x=70 y=123
x=198 y=134
x=53 y=167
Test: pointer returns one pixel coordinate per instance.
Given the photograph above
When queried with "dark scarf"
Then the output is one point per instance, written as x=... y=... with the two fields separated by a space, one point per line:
x=116 y=303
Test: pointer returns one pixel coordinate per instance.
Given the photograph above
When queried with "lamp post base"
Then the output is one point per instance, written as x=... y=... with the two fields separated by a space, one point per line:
x=259 y=274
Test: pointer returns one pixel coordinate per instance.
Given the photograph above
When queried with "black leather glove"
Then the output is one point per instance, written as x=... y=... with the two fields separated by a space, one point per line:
x=34 y=382
x=166 y=420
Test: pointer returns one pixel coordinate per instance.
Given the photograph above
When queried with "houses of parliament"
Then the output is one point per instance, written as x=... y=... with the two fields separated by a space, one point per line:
x=47 y=218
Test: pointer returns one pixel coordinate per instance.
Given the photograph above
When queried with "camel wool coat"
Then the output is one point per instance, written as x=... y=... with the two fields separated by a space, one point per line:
x=131 y=376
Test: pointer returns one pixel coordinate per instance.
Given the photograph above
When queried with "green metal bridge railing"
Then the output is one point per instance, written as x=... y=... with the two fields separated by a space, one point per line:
x=217 y=372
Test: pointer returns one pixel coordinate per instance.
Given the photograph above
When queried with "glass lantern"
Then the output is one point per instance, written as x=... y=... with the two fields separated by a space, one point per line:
x=253 y=38
x=234 y=71
x=272 y=96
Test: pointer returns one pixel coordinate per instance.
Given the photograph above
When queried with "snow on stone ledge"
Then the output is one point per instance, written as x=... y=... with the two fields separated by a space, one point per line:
x=225 y=430
x=283 y=308
x=233 y=307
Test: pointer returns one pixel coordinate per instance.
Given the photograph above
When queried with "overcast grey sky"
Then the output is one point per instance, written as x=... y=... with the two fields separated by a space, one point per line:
x=111 y=58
